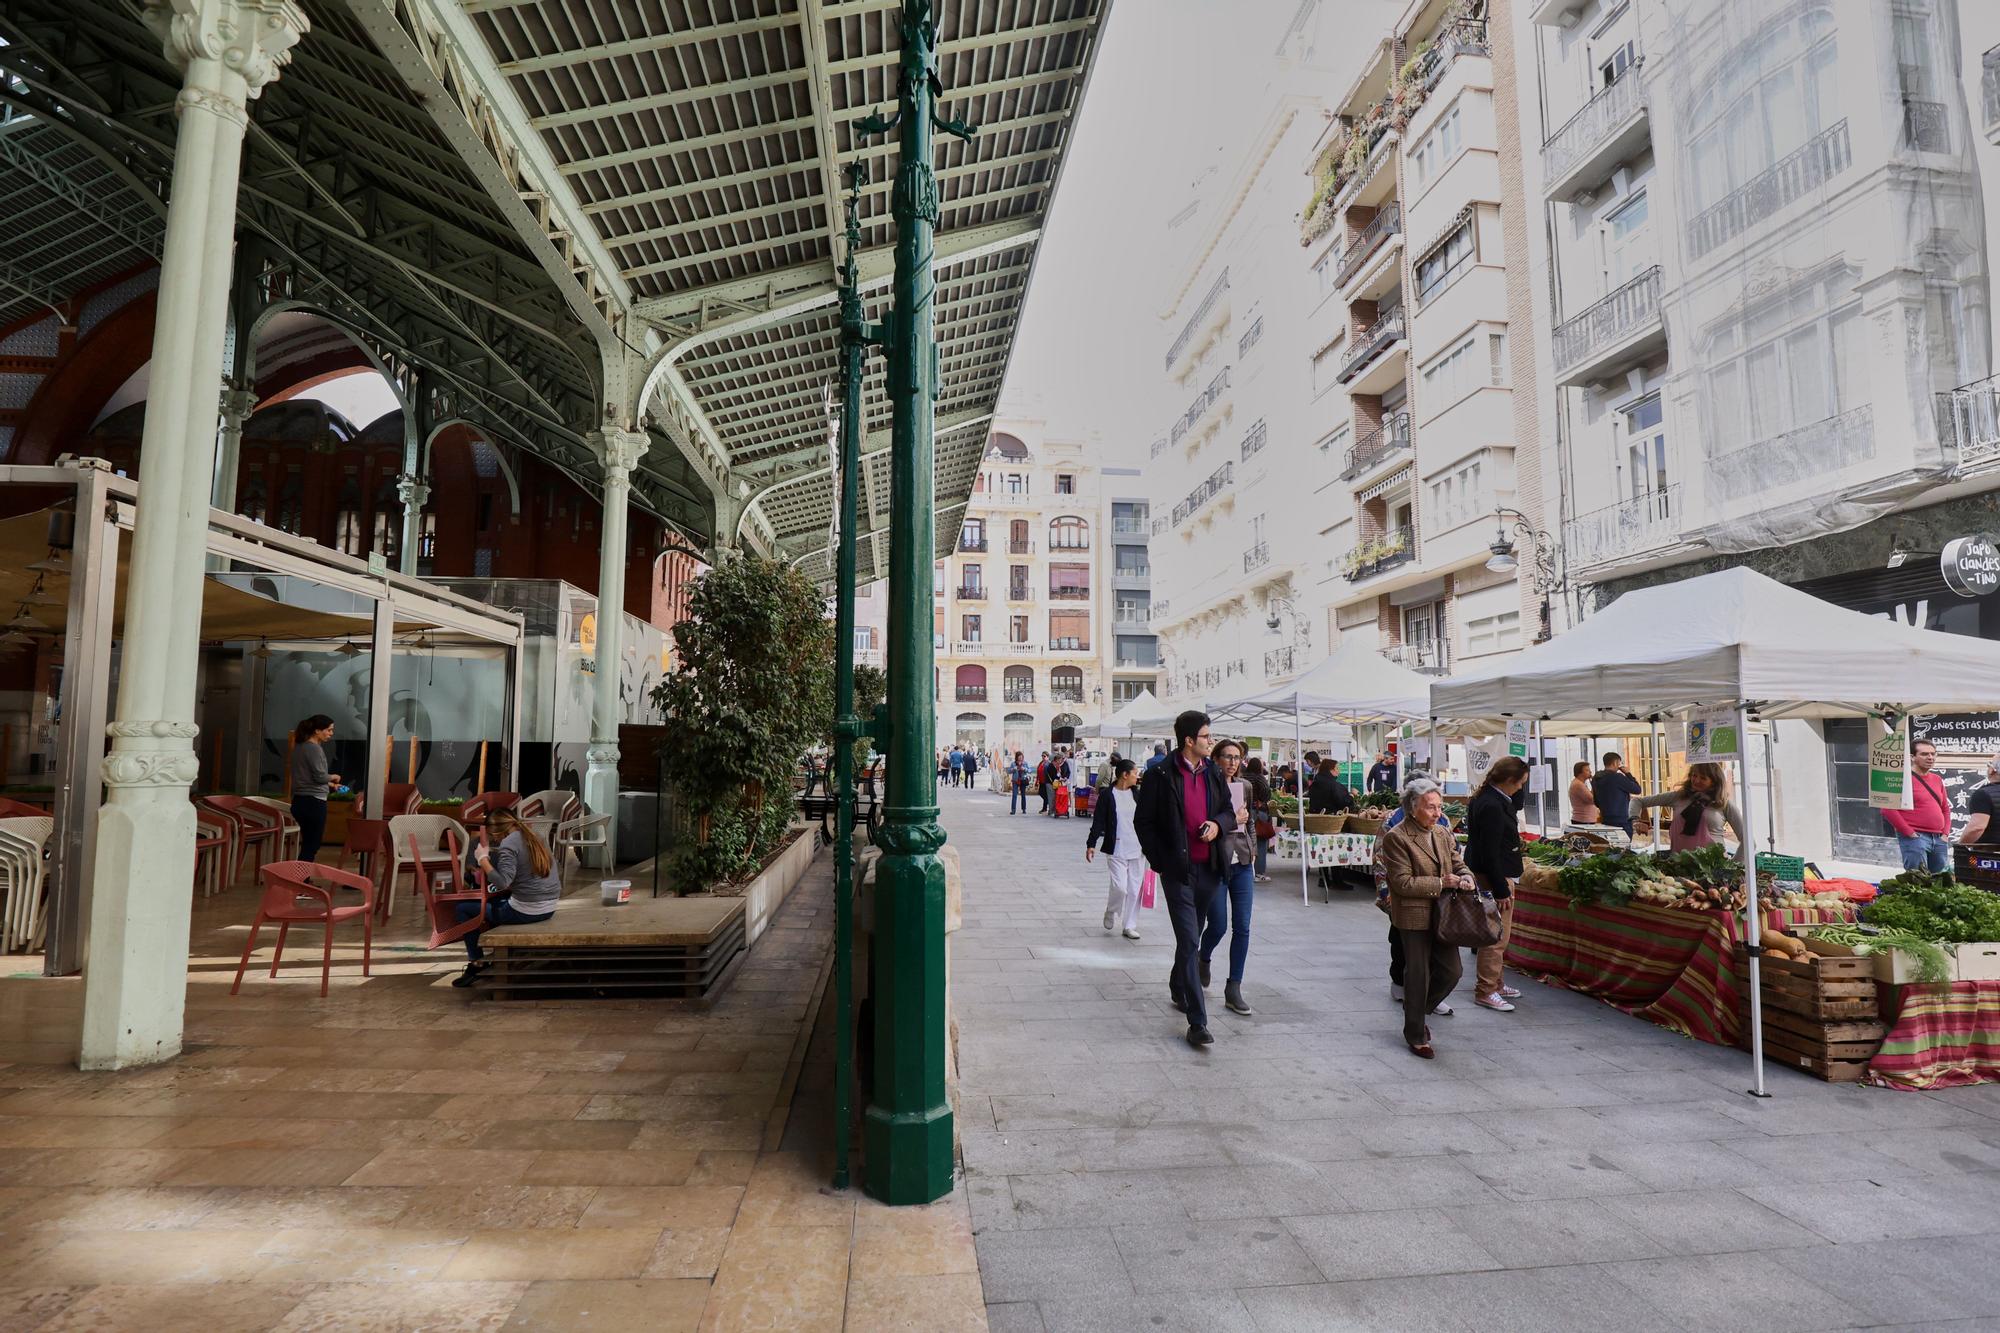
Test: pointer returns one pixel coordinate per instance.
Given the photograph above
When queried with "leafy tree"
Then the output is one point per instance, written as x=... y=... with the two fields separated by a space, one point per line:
x=871 y=687
x=751 y=687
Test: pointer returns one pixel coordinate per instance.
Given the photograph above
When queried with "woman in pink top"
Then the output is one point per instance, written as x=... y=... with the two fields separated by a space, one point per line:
x=1701 y=809
x=1582 y=802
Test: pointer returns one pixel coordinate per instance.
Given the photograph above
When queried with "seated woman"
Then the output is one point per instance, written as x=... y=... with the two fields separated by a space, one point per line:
x=521 y=883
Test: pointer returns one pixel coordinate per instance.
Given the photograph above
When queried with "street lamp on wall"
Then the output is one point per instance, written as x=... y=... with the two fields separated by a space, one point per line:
x=1542 y=561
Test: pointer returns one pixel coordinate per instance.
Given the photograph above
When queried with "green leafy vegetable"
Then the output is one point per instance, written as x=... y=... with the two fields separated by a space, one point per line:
x=1932 y=964
x=1937 y=910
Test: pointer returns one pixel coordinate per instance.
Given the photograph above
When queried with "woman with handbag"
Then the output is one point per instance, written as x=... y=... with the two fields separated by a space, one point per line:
x=1420 y=860
x=1493 y=852
x=1266 y=829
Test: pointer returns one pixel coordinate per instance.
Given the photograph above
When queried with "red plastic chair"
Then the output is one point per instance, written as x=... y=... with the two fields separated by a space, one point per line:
x=398 y=798
x=214 y=847
x=473 y=813
x=285 y=883
x=13 y=809
x=257 y=828
x=441 y=907
x=367 y=848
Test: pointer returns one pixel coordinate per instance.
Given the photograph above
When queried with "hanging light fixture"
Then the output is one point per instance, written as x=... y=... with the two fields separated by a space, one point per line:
x=348 y=649
x=262 y=652
x=51 y=563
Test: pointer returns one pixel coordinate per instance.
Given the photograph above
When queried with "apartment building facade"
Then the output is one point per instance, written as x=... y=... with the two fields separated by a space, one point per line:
x=1131 y=654
x=1765 y=250
x=1017 y=606
x=1421 y=399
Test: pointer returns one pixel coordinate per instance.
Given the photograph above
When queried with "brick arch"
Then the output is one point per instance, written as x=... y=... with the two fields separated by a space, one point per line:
x=70 y=397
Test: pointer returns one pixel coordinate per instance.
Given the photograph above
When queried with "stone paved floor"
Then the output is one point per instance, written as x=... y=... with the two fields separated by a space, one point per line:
x=1564 y=1166
x=400 y=1156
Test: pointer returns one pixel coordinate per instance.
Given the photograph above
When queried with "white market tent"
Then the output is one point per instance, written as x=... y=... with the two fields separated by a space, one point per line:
x=1732 y=639
x=1125 y=722
x=1354 y=686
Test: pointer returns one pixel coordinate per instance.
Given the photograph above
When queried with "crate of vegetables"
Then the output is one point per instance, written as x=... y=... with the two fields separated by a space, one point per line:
x=1815 y=987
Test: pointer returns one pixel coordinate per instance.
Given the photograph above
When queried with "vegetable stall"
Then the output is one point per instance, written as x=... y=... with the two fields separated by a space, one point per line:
x=1727 y=649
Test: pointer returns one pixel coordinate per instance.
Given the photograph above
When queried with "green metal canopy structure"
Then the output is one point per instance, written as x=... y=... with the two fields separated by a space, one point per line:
x=559 y=209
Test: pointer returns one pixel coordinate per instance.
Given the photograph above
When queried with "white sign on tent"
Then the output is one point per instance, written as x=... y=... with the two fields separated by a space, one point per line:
x=1712 y=736
x=1517 y=738
x=1889 y=763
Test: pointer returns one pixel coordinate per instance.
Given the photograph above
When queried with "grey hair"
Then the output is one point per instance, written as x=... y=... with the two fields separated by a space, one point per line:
x=1415 y=790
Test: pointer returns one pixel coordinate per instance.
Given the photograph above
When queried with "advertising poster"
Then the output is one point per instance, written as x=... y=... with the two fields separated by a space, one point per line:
x=1889 y=763
x=1712 y=736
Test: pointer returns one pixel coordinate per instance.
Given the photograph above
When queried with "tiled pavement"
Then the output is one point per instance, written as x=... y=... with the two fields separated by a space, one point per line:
x=400 y=1156
x=1564 y=1166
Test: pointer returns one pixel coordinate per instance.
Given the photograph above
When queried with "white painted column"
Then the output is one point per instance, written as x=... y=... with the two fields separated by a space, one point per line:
x=413 y=491
x=237 y=405
x=135 y=976
x=619 y=451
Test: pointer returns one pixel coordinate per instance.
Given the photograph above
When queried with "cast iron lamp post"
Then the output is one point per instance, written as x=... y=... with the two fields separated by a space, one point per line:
x=1542 y=555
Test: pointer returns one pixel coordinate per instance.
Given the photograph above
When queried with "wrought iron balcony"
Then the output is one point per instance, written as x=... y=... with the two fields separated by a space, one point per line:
x=1460 y=37
x=1829 y=445
x=1968 y=420
x=1199 y=407
x=1025 y=546
x=1389 y=436
x=1253 y=442
x=1596 y=138
x=1373 y=340
x=1609 y=326
x=1128 y=527
x=1132 y=576
x=1396 y=547
x=972 y=593
x=1222 y=477
x=1069 y=594
x=1989 y=89
x=967 y=542
x=1201 y=312
x=1069 y=643
x=971 y=694
x=1020 y=694
x=1792 y=177
x=1388 y=222
x=1925 y=128
x=1257 y=557
x=1630 y=527
x=1427 y=655
x=1066 y=694
x=1020 y=592
x=1281 y=661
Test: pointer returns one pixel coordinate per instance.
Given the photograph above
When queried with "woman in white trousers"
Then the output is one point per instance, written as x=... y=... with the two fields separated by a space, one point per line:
x=1111 y=826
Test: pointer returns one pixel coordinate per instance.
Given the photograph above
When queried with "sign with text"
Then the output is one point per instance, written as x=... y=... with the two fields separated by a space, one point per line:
x=1889 y=764
x=1479 y=757
x=1517 y=739
x=1712 y=736
x=1971 y=565
x=1959 y=733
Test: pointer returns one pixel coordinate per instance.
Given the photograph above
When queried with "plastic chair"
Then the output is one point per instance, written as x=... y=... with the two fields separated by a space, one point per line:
x=257 y=828
x=398 y=798
x=440 y=905
x=285 y=883
x=430 y=831
x=214 y=847
x=24 y=841
x=559 y=803
x=13 y=809
x=368 y=848
x=576 y=835
x=473 y=813
x=290 y=835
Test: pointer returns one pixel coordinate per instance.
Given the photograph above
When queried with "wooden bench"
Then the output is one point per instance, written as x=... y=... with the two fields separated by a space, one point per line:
x=671 y=948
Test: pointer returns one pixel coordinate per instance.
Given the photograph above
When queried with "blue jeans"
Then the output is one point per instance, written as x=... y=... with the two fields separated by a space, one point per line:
x=1925 y=851
x=1019 y=800
x=1263 y=854
x=1188 y=908
x=499 y=912
x=1236 y=879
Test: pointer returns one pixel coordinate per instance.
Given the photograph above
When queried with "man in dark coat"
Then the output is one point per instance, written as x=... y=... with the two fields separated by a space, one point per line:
x=1183 y=810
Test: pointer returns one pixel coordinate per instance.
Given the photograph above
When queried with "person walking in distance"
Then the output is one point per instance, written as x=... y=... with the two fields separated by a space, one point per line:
x=1613 y=789
x=311 y=783
x=1159 y=756
x=1042 y=784
x=1264 y=826
x=1183 y=814
x=1493 y=854
x=1420 y=859
x=1017 y=780
x=1232 y=906
x=1922 y=831
x=1111 y=827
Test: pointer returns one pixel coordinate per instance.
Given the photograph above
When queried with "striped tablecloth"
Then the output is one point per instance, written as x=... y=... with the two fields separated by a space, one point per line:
x=1942 y=1037
x=1671 y=966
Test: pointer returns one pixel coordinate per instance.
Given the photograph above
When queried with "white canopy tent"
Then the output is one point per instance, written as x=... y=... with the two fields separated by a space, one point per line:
x=1126 y=722
x=1730 y=639
x=1354 y=686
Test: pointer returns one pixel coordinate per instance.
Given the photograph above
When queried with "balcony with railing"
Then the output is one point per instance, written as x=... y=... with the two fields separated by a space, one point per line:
x=1069 y=643
x=1006 y=499
x=972 y=592
x=1128 y=527
x=968 y=542
x=967 y=647
x=1372 y=342
x=1386 y=226
x=1608 y=129
x=1159 y=446
x=1428 y=656
x=1198 y=409
x=1619 y=331
x=1396 y=547
x=1253 y=442
x=1257 y=557
x=1019 y=692
x=1022 y=546
x=1069 y=594
x=1968 y=420
x=1820 y=448
x=1281 y=662
x=1378 y=444
x=1020 y=592
x=1194 y=321
x=1926 y=128
x=1381 y=140
x=1460 y=37
x=1066 y=694
x=1217 y=482
x=1132 y=576
x=1130 y=618
x=971 y=694
x=1629 y=528
x=1791 y=178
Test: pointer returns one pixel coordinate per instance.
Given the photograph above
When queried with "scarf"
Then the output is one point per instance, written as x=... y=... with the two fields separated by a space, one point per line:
x=1692 y=814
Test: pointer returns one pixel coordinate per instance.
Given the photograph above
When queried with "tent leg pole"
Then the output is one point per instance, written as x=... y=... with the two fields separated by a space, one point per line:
x=1299 y=748
x=1770 y=795
x=1753 y=921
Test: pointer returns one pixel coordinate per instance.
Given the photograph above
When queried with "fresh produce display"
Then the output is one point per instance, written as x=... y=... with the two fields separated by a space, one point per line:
x=1932 y=964
x=1379 y=800
x=1707 y=879
x=1935 y=908
x=1545 y=852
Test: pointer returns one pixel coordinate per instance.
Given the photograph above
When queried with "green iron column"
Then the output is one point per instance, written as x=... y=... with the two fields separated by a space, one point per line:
x=907 y=1134
x=854 y=341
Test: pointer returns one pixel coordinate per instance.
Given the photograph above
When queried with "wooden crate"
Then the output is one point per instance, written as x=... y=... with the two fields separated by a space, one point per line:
x=1820 y=1015
x=1824 y=988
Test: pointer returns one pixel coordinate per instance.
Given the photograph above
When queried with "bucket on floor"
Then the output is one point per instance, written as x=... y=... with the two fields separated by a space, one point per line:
x=615 y=892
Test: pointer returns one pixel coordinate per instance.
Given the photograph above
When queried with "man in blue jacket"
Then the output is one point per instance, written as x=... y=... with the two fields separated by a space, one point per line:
x=1183 y=811
x=1613 y=789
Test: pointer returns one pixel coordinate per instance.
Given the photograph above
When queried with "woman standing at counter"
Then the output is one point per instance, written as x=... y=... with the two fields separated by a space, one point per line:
x=1701 y=808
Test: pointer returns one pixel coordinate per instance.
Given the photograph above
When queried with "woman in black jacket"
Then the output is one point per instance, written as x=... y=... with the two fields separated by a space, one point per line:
x=1493 y=855
x=1328 y=795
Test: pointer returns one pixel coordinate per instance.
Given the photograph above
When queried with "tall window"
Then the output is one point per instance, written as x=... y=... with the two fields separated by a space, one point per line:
x=972 y=536
x=1625 y=254
x=1066 y=685
x=347 y=531
x=972 y=578
x=1018 y=587
x=969 y=628
x=1069 y=630
x=1786 y=364
x=1017 y=537
x=1773 y=94
x=1439 y=146
x=1017 y=629
x=1445 y=262
x=1020 y=684
x=1065 y=483
x=1069 y=583
x=1069 y=534
x=1451 y=376
x=1456 y=497
x=1645 y=430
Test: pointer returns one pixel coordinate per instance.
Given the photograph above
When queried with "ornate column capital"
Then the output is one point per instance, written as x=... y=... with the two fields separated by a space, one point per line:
x=412 y=490
x=151 y=754
x=237 y=407
x=619 y=451
x=601 y=754
x=253 y=38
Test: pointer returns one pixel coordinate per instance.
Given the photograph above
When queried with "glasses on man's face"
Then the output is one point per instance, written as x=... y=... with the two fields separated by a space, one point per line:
x=1204 y=736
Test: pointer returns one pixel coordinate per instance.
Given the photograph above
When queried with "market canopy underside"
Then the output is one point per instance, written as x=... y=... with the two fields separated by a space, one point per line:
x=498 y=191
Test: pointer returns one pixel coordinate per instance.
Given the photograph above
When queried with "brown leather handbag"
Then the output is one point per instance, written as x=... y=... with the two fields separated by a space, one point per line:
x=1468 y=918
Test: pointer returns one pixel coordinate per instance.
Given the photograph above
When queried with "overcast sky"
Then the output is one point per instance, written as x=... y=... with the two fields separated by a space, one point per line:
x=1177 y=84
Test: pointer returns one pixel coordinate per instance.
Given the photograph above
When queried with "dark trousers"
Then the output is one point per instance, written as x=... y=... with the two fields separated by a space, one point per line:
x=1395 y=955
x=499 y=912
x=310 y=811
x=1048 y=794
x=1189 y=907
x=1430 y=969
x=1232 y=915
x=1019 y=800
